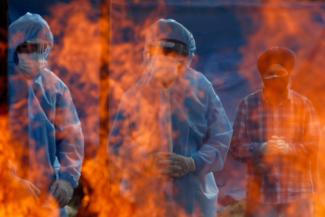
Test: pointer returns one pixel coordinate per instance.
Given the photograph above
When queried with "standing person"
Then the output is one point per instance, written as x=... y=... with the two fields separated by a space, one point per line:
x=174 y=113
x=43 y=117
x=276 y=133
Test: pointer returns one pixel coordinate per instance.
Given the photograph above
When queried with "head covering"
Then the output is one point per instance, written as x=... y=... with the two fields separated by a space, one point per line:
x=276 y=55
x=170 y=34
x=28 y=28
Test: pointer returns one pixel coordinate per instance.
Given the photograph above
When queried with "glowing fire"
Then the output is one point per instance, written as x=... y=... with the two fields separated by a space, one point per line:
x=87 y=44
x=15 y=198
x=84 y=51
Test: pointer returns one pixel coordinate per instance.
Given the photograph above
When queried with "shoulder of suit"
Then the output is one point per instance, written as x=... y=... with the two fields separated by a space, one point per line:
x=198 y=78
x=51 y=81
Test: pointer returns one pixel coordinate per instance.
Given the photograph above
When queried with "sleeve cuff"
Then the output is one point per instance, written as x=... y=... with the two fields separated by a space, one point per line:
x=69 y=178
x=199 y=162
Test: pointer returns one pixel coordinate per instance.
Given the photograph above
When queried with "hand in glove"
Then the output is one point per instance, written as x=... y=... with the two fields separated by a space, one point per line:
x=175 y=165
x=62 y=191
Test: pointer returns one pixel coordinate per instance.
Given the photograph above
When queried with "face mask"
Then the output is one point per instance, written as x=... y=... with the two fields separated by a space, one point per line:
x=31 y=64
x=276 y=80
x=165 y=69
x=277 y=86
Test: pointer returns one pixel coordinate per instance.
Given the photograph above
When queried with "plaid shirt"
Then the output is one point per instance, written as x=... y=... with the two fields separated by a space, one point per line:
x=278 y=178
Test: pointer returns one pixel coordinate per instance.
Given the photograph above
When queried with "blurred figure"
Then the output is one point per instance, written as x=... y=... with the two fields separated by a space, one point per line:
x=43 y=117
x=276 y=133
x=173 y=114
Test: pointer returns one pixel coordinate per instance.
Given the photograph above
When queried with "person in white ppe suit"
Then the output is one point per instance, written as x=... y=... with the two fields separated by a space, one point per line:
x=177 y=109
x=42 y=115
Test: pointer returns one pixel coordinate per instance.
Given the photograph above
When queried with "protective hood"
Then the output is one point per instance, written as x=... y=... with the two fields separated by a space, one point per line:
x=28 y=28
x=165 y=32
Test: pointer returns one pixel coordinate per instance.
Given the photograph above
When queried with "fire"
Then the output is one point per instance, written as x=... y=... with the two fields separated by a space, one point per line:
x=15 y=199
x=86 y=50
x=92 y=43
x=92 y=55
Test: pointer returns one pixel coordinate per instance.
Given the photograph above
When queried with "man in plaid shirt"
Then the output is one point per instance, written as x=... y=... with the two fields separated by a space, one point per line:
x=276 y=133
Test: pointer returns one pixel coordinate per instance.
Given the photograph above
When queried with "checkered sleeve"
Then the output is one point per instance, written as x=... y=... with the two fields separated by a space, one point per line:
x=311 y=132
x=311 y=139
